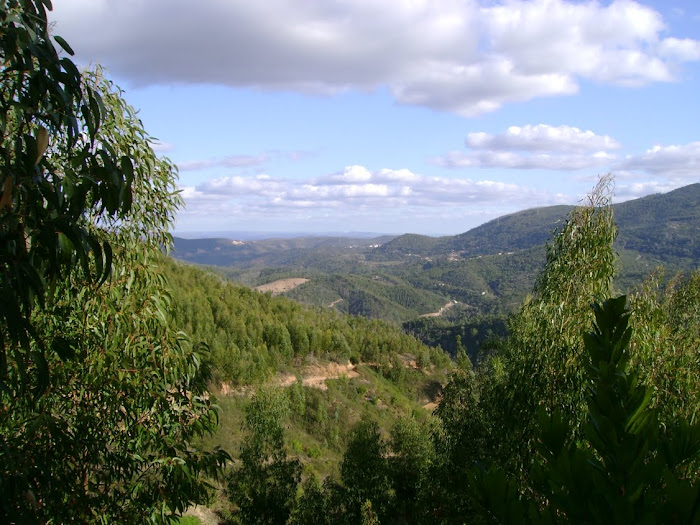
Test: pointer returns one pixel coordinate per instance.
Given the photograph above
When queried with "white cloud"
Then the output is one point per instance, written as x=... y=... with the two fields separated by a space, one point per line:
x=635 y=190
x=465 y=57
x=683 y=50
x=675 y=161
x=380 y=190
x=515 y=160
x=542 y=137
x=260 y=185
x=541 y=146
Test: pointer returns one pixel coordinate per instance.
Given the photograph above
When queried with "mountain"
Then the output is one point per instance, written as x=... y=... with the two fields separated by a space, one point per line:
x=663 y=225
x=269 y=252
x=518 y=231
x=487 y=270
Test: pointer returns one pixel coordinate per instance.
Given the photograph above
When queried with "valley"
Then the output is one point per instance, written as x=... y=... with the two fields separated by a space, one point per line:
x=414 y=301
x=484 y=273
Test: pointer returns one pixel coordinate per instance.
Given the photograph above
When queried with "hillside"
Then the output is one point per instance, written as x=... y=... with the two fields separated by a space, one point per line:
x=335 y=368
x=517 y=231
x=270 y=252
x=665 y=225
x=487 y=270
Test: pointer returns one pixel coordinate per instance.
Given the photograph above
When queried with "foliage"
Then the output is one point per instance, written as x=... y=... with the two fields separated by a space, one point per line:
x=264 y=485
x=253 y=335
x=100 y=395
x=364 y=471
x=527 y=409
x=410 y=464
x=665 y=343
x=489 y=269
x=539 y=364
x=61 y=183
x=479 y=336
x=627 y=469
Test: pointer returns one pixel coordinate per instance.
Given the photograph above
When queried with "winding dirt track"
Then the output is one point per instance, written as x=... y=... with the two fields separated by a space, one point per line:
x=441 y=311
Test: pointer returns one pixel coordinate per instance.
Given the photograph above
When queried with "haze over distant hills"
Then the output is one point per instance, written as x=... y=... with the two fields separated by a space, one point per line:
x=487 y=270
x=262 y=235
x=666 y=225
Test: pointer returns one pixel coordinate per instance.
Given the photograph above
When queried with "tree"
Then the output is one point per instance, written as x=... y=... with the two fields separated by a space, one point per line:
x=626 y=469
x=100 y=395
x=264 y=485
x=665 y=343
x=311 y=507
x=60 y=183
x=409 y=466
x=540 y=363
x=364 y=471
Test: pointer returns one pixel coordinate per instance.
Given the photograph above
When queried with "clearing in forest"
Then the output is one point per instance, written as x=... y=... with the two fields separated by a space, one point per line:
x=281 y=285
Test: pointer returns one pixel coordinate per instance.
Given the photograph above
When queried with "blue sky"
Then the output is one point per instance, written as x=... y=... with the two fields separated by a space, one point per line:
x=400 y=116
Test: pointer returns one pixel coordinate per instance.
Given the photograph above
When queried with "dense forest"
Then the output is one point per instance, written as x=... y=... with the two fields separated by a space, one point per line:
x=483 y=274
x=134 y=387
x=573 y=400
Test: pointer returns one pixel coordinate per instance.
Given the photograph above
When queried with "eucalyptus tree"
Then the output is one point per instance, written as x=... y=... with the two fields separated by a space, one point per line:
x=100 y=394
x=540 y=363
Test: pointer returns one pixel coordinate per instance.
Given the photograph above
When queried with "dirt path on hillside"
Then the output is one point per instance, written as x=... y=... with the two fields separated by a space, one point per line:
x=335 y=302
x=315 y=376
x=281 y=285
x=442 y=310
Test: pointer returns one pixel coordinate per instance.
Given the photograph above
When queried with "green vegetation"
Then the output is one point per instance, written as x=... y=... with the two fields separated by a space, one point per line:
x=568 y=413
x=100 y=395
x=626 y=468
x=489 y=270
x=252 y=335
x=548 y=413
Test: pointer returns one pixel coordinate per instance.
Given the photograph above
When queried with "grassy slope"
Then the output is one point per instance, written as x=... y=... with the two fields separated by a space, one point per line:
x=229 y=318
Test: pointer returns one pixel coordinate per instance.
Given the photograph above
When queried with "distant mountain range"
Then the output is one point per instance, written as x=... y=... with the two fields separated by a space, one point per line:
x=663 y=225
x=487 y=270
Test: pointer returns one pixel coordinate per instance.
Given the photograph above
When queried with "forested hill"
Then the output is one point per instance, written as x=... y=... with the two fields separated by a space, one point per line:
x=664 y=226
x=661 y=225
x=270 y=252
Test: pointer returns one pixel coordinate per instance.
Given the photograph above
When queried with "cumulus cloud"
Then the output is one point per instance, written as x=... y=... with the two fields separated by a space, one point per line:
x=676 y=161
x=355 y=188
x=542 y=137
x=516 y=160
x=541 y=146
x=682 y=50
x=635 y=190
x=464 y=57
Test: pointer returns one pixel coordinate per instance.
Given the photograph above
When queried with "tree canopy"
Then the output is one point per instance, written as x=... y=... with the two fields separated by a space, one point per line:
x=100 y=394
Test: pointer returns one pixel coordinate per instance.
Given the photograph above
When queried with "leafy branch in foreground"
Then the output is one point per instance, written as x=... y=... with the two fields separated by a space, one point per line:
x=626 y=469
x=100 y=395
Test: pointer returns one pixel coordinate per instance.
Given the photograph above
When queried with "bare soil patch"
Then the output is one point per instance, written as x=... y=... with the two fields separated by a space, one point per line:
x=315 y=376
x=205 y=515
x=281 y=285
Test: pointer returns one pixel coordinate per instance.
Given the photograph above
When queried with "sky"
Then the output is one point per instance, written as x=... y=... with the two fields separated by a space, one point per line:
x=400 y=116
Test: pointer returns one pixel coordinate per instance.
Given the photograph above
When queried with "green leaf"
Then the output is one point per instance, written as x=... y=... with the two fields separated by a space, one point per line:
x=64 y=44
